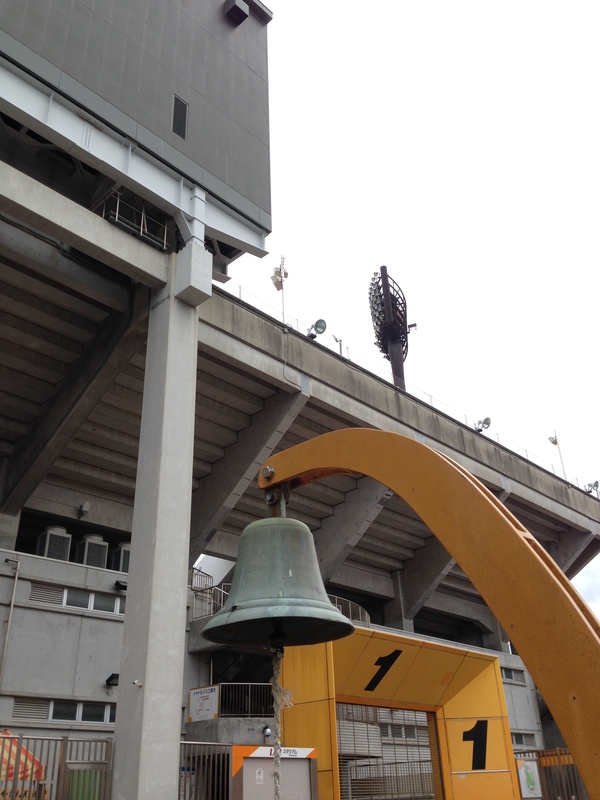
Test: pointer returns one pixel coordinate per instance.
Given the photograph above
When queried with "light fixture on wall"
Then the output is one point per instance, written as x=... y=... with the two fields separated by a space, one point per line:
x=593 y=487
x=113 y=679
x=83 y=509
x=316 y=328
x=121 y=586
x=267 y=731
x=482 y=425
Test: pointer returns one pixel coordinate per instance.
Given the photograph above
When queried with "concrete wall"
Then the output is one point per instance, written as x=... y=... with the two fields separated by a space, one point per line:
x=125 y=62
x=54 y=652
x=522 y=702
x=239 y=730
x=58 y=652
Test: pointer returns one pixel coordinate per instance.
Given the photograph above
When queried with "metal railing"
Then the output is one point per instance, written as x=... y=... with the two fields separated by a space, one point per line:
x=353 y=611
x=551 y=773
x=205 y=771
x=201 y=580
x=136 y=221
x=43 y=768
x=245 y=700
x=209 y=600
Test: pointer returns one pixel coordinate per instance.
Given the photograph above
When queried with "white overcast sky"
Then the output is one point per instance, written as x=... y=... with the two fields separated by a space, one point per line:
x=459 y=144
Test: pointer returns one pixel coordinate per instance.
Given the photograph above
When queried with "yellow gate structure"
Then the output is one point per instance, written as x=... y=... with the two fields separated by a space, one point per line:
x=551 y=626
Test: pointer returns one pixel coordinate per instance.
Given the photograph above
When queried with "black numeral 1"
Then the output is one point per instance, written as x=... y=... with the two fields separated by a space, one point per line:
x=478 y=735
x=384 y=663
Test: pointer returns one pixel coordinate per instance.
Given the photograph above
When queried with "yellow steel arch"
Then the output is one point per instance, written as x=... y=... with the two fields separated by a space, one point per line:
x=553 y=629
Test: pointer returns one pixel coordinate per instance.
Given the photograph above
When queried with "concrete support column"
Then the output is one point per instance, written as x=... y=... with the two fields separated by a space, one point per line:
x=394 y=611
x=148 y=722
x=496 y=639
x=9 y=527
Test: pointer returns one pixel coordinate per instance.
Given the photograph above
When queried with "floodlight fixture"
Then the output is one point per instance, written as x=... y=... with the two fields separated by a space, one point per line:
x=388 y=314
x=316 y=328
x=279 y=275
x=113 y=679
x=593 y=487
x=482 y=424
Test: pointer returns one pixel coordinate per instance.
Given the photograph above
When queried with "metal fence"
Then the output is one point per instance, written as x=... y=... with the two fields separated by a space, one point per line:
x=559 y=778
x=39 y=768
x=245 y=700
x=205 y=771
x=410 y=779
x=210 y=599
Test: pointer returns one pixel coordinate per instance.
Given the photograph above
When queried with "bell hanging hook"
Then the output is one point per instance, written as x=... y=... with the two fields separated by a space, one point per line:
x=276 y=498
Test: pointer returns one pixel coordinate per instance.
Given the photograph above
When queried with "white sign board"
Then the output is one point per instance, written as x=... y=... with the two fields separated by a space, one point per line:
x=529 y=778
x=204 y=704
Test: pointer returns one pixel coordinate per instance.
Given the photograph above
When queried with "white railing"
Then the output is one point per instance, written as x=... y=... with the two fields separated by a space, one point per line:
x=212 y=599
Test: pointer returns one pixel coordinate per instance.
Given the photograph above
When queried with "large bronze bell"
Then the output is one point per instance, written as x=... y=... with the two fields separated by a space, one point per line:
x=277 y=597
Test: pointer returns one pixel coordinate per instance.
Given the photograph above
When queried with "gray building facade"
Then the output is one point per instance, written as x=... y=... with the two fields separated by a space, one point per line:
x=137 y=400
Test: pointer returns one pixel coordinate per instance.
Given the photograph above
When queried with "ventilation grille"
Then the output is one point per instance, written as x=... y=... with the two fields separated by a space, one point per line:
x=55 y=543
x=96 y=555
x=180 y=114
x=120 y=558
x=92 y=551
x=42 y=593
x=28 y=708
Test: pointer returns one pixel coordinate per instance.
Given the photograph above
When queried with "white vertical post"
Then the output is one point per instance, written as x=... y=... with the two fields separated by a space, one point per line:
x=554 y=440
x=148 y=721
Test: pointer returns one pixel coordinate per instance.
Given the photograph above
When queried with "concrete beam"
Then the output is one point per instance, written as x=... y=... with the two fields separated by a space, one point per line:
x=569 y=547
x=350 y=520
x=42 y=208
x=117 y=340
x=423 y=574
x=9 y=527
x=64 y=501
x=48 y=258
x=394 y=611
x=477 y=613
x=354 y=579
x=365 y=402
x=218 y=493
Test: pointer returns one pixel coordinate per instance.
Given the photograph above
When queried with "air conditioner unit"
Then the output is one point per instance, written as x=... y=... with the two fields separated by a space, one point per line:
x=92 y=550
x=120 y=557
x=54 y=542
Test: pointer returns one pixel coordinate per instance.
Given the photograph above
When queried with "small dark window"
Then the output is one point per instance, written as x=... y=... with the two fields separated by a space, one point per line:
x=93 y=712
x=78 y=598
x=104 y=602
x=180 y=113
x=64 y=710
